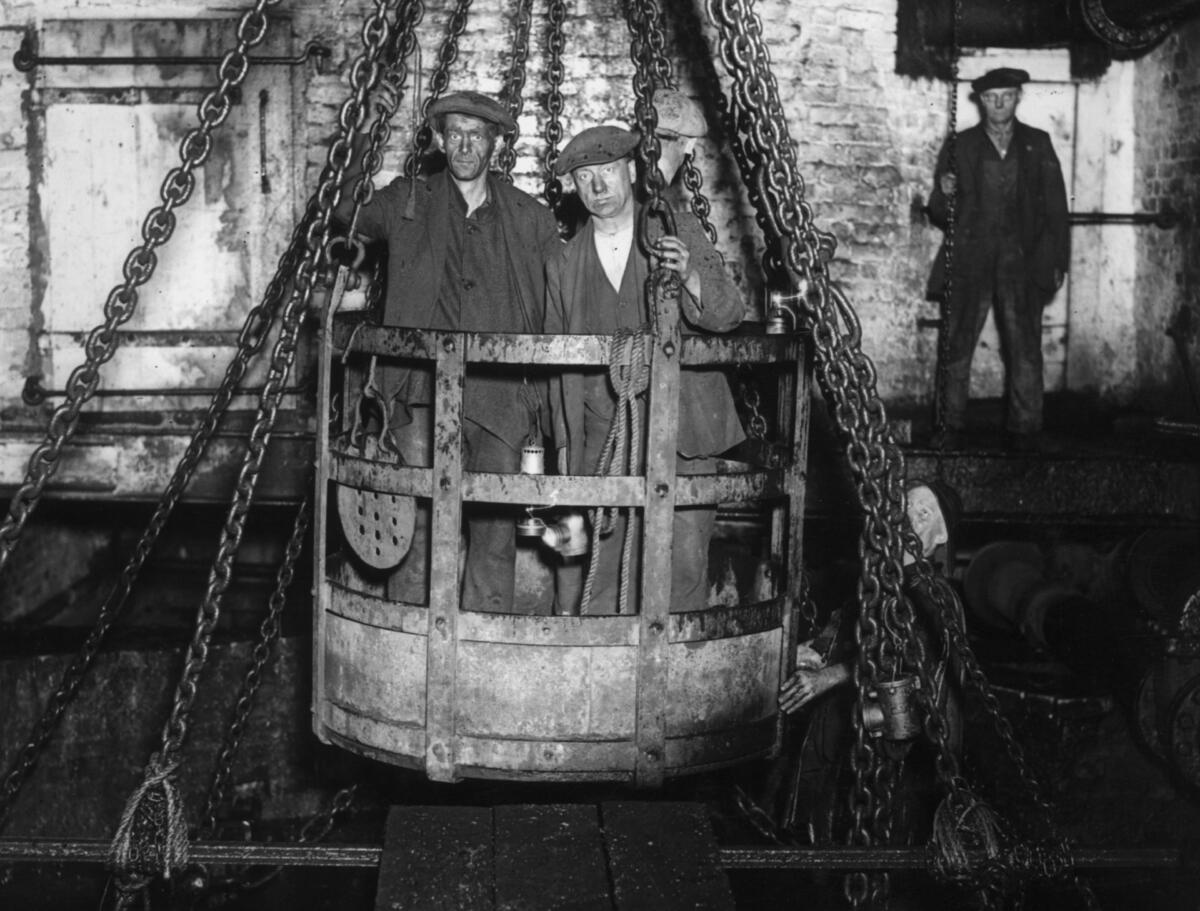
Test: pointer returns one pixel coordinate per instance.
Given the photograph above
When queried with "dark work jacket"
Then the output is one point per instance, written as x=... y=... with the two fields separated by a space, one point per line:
x=1043 y=226
x=413 y=218
x=708 y=421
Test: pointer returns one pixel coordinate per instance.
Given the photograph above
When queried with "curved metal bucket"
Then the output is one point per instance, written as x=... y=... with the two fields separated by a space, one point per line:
x=465 y=694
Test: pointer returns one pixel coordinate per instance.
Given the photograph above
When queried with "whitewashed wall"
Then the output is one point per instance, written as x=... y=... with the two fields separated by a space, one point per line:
x=866 y=139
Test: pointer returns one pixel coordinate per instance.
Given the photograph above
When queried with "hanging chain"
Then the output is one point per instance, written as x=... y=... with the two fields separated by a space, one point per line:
x=514 y=84
x=948 y=244
x=268 y=636
x=162 y=838
x=119 y=307
x=393 y=77
x=364 y=74
x=555 y=44
x=695 y=48
x=652 y=70
x=848 y=378
x=447 y=54
x=254 y=331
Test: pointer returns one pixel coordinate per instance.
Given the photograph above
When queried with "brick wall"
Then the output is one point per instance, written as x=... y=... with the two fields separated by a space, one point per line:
x=865 y=138
x=1168 y=178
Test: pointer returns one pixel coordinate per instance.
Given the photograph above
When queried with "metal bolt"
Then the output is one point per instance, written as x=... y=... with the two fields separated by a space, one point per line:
x=448 y=343
x=662 y=489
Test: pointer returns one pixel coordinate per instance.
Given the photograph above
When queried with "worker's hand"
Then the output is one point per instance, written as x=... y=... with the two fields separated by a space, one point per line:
x=806 y=685
x=948 y=183
x=673 y=254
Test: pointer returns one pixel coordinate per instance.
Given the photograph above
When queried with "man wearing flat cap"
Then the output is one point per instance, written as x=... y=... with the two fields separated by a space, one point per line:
x=1011 y=251
x=596 y=285
x=466 y=251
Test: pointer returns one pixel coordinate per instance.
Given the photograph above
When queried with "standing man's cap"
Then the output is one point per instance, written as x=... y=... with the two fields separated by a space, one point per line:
x=679 y=114
x=475 y=105
x=1003 y=78
x=595 y=145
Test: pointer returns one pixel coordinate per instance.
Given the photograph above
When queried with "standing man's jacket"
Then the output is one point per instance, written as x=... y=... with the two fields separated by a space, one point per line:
x=1042 y=213
x=413 y=217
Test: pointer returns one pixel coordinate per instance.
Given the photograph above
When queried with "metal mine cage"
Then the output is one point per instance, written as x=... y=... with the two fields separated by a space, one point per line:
x=634 y=697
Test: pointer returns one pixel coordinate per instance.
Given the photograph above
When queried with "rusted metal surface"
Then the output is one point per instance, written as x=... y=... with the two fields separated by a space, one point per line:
x=375 y=611
x=1099 y=486
x=723 y=622
x=731 y=857
x=441 y=657
x=658 y=515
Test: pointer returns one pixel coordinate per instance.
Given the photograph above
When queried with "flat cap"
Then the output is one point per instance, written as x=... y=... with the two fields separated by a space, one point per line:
x=595 y=145
x=1003 y=78
x=475 y=105
x=679 y=114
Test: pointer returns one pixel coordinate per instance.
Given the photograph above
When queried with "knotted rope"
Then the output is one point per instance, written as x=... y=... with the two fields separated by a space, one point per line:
x=971 y=849
x=629 y=373
x=152 y=837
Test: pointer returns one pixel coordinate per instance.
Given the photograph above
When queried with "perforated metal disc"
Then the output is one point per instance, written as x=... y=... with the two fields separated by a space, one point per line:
x=377 y=526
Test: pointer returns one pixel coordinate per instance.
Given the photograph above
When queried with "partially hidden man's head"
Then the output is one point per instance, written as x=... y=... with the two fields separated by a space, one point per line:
x=467 y=126
x=998 y=92
x=600 y=163
x=680 y=124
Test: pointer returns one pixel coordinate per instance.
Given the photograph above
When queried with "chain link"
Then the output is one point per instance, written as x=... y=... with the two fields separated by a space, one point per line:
x=555 y=44
x=514 y=84
x=254 y=332
x=268 y=635
x=438 y=82
x=948 y=245
x=157 y=228
x=652 y=71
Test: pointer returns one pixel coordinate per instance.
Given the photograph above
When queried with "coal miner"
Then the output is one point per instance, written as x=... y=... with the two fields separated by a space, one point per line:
x=681 y=124
x=597 y=285
x=1011 y=250
x=465 y=251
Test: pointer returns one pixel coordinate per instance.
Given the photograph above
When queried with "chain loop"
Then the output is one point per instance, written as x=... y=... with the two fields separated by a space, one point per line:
x=555 y=73
x=447 y=54
x=268 y=636
x=514 y=84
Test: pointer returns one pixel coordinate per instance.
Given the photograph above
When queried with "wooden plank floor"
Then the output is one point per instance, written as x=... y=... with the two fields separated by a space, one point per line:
x=616 y=856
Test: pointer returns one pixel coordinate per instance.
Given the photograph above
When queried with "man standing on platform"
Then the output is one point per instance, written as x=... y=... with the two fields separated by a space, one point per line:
x=1011 y=250
x=466 y=251
x=596 y=285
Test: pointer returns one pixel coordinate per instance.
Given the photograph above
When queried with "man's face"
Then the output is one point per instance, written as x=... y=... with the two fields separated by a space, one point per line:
x=672 y=151
x=999 y=105
x=926 y=517
x=468 y=142
x=605 y=189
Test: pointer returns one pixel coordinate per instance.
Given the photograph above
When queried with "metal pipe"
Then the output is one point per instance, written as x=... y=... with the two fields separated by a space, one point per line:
x=96 y=850
x=34 y=394
x=1165 y=220
x=26 y=58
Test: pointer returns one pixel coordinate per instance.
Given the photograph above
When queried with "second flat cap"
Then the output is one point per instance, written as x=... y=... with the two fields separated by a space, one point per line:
x=595 y=145
x=1003 y=78
x=474 y=104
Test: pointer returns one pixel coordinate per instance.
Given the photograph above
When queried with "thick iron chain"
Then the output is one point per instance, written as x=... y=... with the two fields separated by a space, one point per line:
x=848 y=378
x=253 y=334
x=555 y=45
x=364 y=73
x=652 y=71
x=695 y=48
x=268 y=636
x=102 y=342
x=393 y=76
x=438 y=82
x=949 y=243
x=514 y=84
